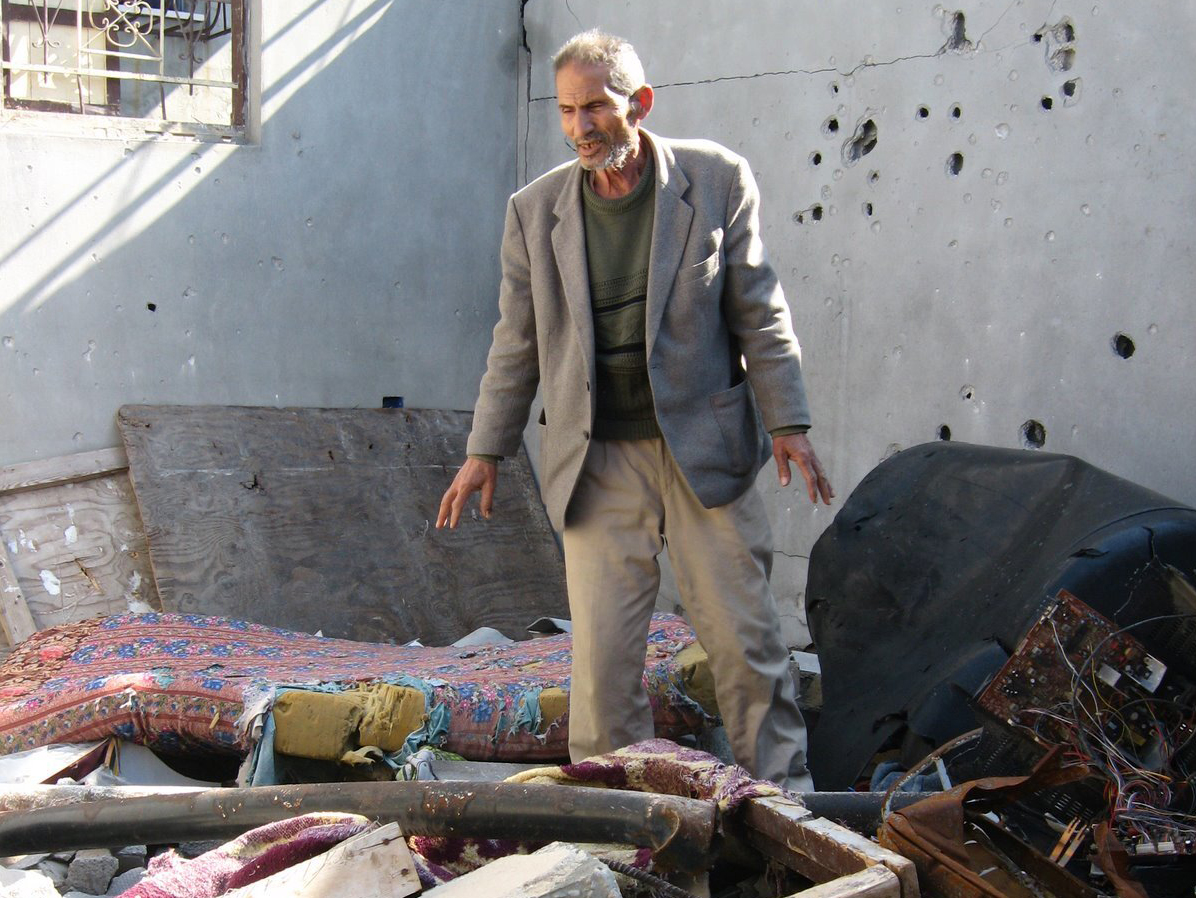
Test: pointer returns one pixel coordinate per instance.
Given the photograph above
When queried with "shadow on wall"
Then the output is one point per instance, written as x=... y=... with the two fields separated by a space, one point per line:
x=263 y=274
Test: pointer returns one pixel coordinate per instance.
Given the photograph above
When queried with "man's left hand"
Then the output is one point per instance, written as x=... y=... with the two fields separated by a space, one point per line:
x=797 y=446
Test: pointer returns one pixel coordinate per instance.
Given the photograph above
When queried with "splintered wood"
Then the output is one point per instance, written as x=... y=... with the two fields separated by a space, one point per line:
x=324 y=520
x=825 y=852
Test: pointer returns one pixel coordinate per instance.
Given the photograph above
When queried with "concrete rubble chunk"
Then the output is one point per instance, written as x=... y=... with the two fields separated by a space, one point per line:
x=91 y=871
x=192 y=850
x=126 y=880
x=24 y=861
x=558 y=870
x=130 y=856
x=56 y=870
x=26 y=884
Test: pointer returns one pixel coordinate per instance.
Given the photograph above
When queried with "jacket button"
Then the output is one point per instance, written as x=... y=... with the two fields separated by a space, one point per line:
x=585 y=434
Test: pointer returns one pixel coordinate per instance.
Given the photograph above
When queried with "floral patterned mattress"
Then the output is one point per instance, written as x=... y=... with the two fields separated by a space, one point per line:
x=178 y=683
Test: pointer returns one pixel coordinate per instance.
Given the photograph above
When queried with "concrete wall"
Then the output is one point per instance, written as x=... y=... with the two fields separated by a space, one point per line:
x=973 y=271
x=351 y=253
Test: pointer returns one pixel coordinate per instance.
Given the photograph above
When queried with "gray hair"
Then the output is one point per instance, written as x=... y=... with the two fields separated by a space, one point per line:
x=596 y=47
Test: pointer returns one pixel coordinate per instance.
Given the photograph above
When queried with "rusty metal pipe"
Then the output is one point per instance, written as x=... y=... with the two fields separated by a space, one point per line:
x=679 y=831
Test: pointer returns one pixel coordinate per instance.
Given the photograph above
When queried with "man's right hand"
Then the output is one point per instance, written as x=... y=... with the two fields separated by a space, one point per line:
x=474 y=475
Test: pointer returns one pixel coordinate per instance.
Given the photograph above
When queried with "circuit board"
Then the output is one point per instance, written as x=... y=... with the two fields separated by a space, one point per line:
x=1079 y=681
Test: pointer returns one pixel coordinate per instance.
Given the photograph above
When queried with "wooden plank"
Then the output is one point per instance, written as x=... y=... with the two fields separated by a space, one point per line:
x=843 y=847
x=375 y=864
x=64 y=469
x=77 y=548
x=817 y=848
x=789 y=857
x=14 y=611
x=873 y=882
x=323 y=520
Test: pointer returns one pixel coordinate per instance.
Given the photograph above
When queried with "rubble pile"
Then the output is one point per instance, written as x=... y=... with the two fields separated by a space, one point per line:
x=78 y=874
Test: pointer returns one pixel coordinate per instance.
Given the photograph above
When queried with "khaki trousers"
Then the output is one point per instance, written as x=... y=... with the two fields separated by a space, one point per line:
x=632 y=501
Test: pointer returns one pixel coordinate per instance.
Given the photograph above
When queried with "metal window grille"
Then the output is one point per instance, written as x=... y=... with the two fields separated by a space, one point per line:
x=169 y=61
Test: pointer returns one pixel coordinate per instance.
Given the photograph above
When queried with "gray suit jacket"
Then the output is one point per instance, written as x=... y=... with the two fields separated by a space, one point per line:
x=713 y=302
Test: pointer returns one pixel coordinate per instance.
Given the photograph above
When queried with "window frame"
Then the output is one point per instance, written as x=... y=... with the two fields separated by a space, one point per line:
x=57 y=114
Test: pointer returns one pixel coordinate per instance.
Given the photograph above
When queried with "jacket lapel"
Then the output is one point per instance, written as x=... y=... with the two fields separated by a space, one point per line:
x=569 y=247
x=670 y=231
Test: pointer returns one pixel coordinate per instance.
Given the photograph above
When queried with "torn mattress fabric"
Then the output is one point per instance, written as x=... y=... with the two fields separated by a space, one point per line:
x=179 y=683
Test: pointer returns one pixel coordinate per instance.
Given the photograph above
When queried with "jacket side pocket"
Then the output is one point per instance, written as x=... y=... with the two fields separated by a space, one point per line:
x=735 y=413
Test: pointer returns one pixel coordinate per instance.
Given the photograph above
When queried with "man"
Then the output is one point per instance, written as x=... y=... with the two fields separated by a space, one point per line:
x=634 y=289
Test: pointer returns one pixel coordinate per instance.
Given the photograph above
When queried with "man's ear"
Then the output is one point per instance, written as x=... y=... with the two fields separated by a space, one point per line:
x=641 y=103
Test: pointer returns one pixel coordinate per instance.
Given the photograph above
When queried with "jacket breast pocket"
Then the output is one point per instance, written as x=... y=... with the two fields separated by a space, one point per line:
x=704 y=272
x=707 y=269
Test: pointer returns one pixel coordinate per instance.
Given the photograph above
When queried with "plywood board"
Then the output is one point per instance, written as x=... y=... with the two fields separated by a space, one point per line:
x=17 y=619
x=45 y=472
x=73 y=539
x=323 y=520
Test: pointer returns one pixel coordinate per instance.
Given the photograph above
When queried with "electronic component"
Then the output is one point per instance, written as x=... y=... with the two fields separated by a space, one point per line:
x=1079 y=682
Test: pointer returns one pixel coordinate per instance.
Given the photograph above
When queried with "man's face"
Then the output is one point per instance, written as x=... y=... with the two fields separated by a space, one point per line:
x=594 y=117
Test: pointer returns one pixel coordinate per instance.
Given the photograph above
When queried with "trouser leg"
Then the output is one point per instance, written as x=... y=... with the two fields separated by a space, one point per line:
x=722 y=558
x=611 y=539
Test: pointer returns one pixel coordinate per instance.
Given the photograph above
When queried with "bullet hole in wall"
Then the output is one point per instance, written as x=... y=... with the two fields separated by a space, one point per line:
x=956 y=112
x=815 y=158
x=861 y=144
x=954 y=164
x=814 y=213
x=1076 y=88
x=830 y=126
x=967 y=392
x=957 y=26
x=922 y=112
x=1123 y=345
x=1033 y=434
x=868 y=209
x=944 y=432
x=957 y=39
x=873 y=177
x=152 y=306
x=1060 y=44
x=1048 y=103
x=1063 y=59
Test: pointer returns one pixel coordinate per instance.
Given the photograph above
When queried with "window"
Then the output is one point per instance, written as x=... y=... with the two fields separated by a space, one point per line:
x=174 y=66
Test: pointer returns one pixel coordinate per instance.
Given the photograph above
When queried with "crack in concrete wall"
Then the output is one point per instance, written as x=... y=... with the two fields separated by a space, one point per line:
x=957 y=42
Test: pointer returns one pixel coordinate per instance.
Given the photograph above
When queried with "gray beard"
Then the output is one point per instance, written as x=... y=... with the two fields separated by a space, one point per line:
x=616 y=158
